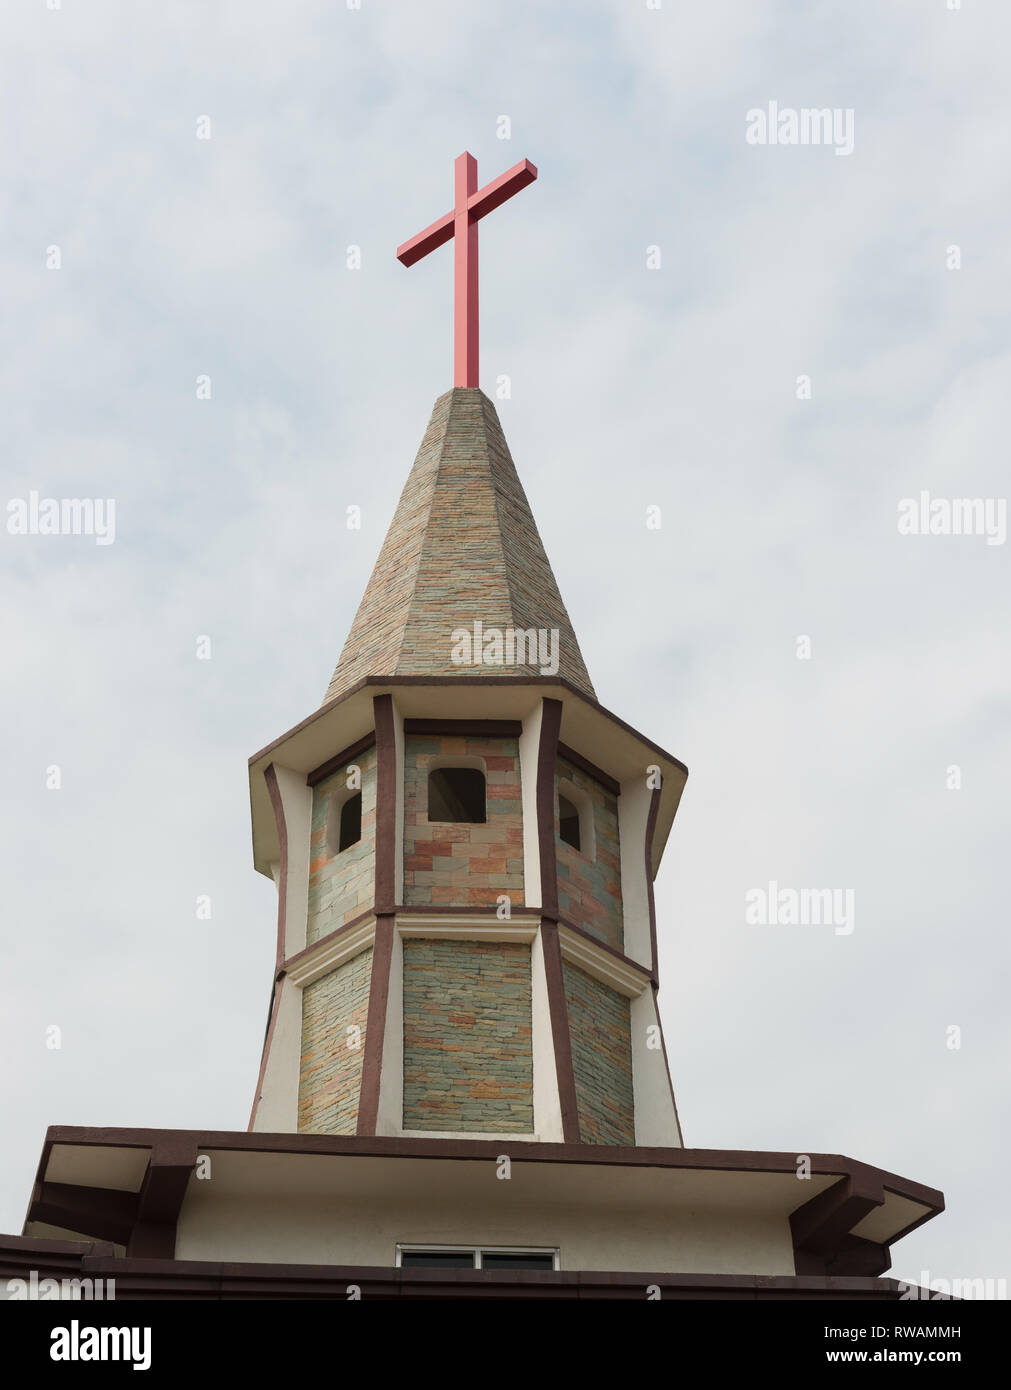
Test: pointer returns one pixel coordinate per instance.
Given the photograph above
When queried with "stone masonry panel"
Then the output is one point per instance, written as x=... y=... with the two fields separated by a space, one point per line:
x=589 y=889
x=334 y=1016
x=341 y=886
x=468 y=1064
x=600 y=1035
x=463 y=865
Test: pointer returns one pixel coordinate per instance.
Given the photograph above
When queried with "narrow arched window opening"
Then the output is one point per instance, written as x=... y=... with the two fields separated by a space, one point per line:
x=457 y=795
x=568 y=822
x=351 y=823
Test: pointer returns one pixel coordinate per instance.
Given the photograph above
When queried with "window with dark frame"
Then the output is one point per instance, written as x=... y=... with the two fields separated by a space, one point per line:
x=568 y=822
x=351 y=823
x=456 y=795
x=477 y=1259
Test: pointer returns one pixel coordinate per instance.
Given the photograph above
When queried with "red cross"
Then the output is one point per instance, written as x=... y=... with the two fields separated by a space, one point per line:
x=470 y=205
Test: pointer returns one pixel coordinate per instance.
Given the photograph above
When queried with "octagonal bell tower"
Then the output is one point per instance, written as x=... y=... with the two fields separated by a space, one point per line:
x=464 y=844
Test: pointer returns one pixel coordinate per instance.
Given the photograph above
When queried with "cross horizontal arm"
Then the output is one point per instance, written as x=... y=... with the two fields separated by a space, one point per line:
x=436 y=235
x=494 y=194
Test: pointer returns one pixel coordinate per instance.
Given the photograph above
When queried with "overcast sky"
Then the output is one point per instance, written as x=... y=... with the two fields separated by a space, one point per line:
x=632 y=387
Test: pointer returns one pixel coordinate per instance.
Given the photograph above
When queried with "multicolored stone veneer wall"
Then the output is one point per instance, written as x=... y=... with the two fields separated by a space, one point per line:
x=601 y=1040
x=341 y=885
x=589 y=890
x=468 y=1062
x=331 y=1070
x=458 y=865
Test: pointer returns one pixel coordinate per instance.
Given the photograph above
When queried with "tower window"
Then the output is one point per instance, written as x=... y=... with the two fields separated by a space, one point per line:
x=568 y=822
x=456 y=794
x=351 y=823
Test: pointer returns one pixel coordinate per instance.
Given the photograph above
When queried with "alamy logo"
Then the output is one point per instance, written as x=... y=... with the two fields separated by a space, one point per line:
x=63 y=516
x=77 y=1343
x=954 y=516
x=929 y=1288
x=810 y=125
x=34 y=1289
x=801 y=907
x=511 y=646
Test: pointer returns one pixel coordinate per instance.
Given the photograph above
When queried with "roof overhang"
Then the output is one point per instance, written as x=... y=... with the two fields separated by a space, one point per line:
x=590 y=729
x=128 y=1186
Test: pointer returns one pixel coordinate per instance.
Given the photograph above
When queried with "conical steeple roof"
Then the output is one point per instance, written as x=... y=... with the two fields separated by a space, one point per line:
x=462 y=548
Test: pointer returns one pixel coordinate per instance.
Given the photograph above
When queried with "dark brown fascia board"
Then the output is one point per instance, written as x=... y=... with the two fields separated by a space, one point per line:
x=140 y=1278
x=591 y=769
x=474 y=728
x=534 y=682
x=481 y=1150
x=341 y=759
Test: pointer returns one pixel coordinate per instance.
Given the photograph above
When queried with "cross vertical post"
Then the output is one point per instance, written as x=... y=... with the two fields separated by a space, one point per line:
x=466 y=354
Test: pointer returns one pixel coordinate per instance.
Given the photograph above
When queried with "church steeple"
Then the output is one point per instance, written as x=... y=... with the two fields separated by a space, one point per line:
x=463 y=549
x=463 y=840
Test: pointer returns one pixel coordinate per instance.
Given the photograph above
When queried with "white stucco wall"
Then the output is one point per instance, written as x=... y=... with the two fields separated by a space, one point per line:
x=316 y=1231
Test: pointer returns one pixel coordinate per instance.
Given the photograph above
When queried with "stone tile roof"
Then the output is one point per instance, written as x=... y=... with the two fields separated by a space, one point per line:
x=462 y=547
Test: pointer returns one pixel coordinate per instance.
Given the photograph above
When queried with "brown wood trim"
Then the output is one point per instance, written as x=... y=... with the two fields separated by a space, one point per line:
x=161 y=1196
x=139 y=1279
x=475 y=728
x=475 y=910
x=386 y=803
x=535 y=682
x=821 y=1228
x=93 y=1211
x=558 y=1012
x=339 y=760
x=275 y=1006
x=654 y=811
x=375 y=1026
x=551 y=722
x=277 y=805
x=591 y=769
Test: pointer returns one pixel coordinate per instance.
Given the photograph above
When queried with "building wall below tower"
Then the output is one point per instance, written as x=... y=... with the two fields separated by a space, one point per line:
x=334 y=1017
x=589 y=885
x=600 y=1035
x=342 y=885
x=468 y=1060
x=448 y=864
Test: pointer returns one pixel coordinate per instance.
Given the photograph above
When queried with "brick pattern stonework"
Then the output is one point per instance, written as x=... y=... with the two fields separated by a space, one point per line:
x=468 y=1064
x=461 y=865
x=341 y=885
x=331 y=1070
x=589 y=890
x=600 y=1033
x=462 y=546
